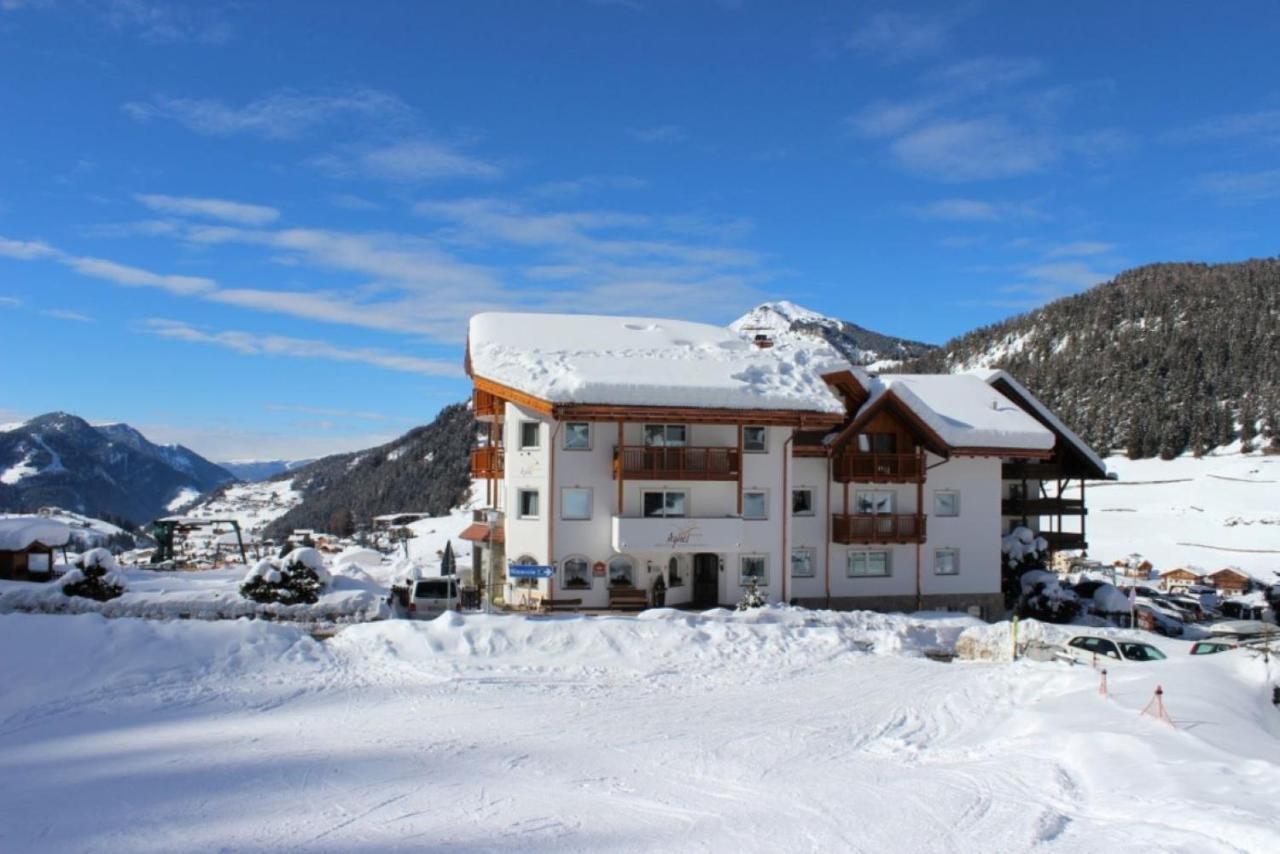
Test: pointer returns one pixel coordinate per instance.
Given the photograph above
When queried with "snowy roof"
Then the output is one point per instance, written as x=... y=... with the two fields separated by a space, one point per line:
x=636 y=361
x=20 y=532
x=990 y=376
x=964 y=411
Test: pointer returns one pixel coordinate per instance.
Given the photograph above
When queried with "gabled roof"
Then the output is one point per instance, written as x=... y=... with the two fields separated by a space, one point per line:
x=965 y=413
x=1069 y=442
x=646 y=362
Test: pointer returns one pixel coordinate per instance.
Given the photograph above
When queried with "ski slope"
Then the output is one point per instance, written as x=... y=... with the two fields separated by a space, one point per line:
x=1220 y=510
x=784 y=730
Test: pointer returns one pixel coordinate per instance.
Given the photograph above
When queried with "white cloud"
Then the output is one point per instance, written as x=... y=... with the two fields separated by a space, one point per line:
x=657 y=133
x=307 y=440
x=405 y=162
x=974 y=149
x=252 y=344
x=280 y=115
x=975 y=210
x=899 y=36
x=359 y=415
x=136 y=277
x=10 y=302
x=1241 y=187
x=1262 y=125
x=237 y=212
x=26 y=250
x=64 y=314
x=157 y=22
x=1081 y=248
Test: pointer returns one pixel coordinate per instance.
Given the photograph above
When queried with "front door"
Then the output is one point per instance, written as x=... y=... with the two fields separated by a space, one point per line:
x=706 y=580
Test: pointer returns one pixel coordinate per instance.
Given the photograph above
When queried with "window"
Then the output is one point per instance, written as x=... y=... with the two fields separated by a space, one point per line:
x=530 y=435
x=872 y=502
x=675 y=571
x=755 y=440
x=946 y=503
x=877 y=443
x=754 y=568
x=577 y=436
x=946 y=562
x=802 y=502
x=868 y=564
x=665 y=435
x=621 y=571
x=527 y=502
x=755 y=505
x=802 y=563
x=577 y=573
x=575 y=503
x=436 y=588
x=659 y=503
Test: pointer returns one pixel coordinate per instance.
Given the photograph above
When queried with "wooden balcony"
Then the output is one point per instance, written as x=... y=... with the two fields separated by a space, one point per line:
x=485 y=404
x=486 y=462
x=877 y=468
x=639 y=462
x=1042 y=507
x=882 y=528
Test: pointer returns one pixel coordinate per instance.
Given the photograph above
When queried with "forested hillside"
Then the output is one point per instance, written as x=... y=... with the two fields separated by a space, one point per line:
x=1163 y=359
x=426 y=470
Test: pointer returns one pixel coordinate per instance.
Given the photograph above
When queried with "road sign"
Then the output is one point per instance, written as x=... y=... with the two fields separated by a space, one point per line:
x=528 y=570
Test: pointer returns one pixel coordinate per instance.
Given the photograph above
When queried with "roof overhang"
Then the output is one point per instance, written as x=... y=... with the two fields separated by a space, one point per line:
x=890 y=402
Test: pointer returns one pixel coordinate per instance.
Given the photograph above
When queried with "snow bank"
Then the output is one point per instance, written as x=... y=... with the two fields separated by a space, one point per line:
x=19 y=532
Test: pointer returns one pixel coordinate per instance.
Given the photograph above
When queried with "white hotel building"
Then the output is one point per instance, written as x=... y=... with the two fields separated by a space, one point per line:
x=666 y=462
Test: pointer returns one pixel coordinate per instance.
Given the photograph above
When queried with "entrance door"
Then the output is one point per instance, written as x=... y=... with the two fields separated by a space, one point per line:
x=706 y=580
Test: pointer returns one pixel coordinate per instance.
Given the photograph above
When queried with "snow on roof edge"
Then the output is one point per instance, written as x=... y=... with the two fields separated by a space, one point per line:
x=991 y=375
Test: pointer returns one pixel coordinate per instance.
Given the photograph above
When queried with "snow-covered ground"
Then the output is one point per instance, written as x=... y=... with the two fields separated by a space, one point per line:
x=782 y=730
x=1220 y=510
x=253 y=505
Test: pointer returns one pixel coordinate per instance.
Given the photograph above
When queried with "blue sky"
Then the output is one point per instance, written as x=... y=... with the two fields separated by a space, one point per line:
x=259 y=227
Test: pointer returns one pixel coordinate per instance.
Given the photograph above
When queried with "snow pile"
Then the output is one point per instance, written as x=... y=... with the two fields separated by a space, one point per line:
x=771 y=731
x=20 y=532
x=644 y=361
x=1022 y=544
x=358 y=556
x=96 y=576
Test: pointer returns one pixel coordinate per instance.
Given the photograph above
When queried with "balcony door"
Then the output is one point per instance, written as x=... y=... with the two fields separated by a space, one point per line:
x=877 y=503
x=664 y=446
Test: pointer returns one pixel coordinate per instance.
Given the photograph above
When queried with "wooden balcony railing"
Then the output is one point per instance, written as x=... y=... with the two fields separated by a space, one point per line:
x=1061 y=540
x=638 y=462
x=1042 y=507
x=484 y=404
x=877 y=468
x=486 y=462
x=854 y=528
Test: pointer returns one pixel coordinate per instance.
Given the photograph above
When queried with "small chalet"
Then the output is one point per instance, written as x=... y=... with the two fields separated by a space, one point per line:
x=27 y=544
x=1230 y=582
x=1179 y=579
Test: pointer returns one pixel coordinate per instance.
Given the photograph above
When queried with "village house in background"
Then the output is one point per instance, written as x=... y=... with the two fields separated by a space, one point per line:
x=27 y=545
x=667 y=462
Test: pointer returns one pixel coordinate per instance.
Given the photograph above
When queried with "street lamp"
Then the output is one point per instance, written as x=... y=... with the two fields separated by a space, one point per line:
x=490 y=517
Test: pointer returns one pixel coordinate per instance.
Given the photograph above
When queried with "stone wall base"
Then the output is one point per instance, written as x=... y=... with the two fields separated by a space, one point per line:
x=990 y=605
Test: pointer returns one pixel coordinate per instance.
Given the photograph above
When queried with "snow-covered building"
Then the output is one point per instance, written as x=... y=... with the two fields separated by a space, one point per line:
x=676 y=462
x=27 y=544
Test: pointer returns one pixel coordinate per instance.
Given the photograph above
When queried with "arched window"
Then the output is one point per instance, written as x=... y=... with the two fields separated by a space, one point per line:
x=622 y=571
x=675 y=571
x=526 y=560
x=577 y=573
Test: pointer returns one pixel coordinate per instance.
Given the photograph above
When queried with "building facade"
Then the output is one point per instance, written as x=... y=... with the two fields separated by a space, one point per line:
x=685 y=466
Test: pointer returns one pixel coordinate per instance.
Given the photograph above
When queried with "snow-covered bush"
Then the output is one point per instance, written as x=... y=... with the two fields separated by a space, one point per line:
x=751 y=597
x=1045 y=598
x=1021 y=550
x=96 y=576
x=295 y=579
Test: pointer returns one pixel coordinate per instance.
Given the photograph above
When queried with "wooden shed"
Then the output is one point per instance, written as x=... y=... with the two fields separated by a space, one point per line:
x=27 y=544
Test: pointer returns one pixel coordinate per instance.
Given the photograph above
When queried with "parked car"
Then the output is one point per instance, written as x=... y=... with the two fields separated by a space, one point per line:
x=1212 y=647
x=425 y=598
x=1084 y=649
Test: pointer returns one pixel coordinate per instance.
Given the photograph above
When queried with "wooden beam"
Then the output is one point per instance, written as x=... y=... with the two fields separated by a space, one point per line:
x=617 y=461
x=528 y=401
x=740 y=468
x=697 y=415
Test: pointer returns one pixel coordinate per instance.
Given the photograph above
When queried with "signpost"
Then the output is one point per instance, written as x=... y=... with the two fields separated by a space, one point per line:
x=528 y=570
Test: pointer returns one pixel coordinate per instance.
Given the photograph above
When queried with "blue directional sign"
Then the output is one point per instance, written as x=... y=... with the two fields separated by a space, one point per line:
x=528 y=570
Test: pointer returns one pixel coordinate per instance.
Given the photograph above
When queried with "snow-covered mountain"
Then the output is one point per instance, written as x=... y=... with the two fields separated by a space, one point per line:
x=784 y=321
x=255 y=470
x=109 y=471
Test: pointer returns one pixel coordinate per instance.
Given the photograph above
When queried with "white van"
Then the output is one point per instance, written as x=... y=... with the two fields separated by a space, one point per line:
x=425 y=598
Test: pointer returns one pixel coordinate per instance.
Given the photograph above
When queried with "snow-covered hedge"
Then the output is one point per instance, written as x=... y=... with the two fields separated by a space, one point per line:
x=296 y=579
x=96 y=576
